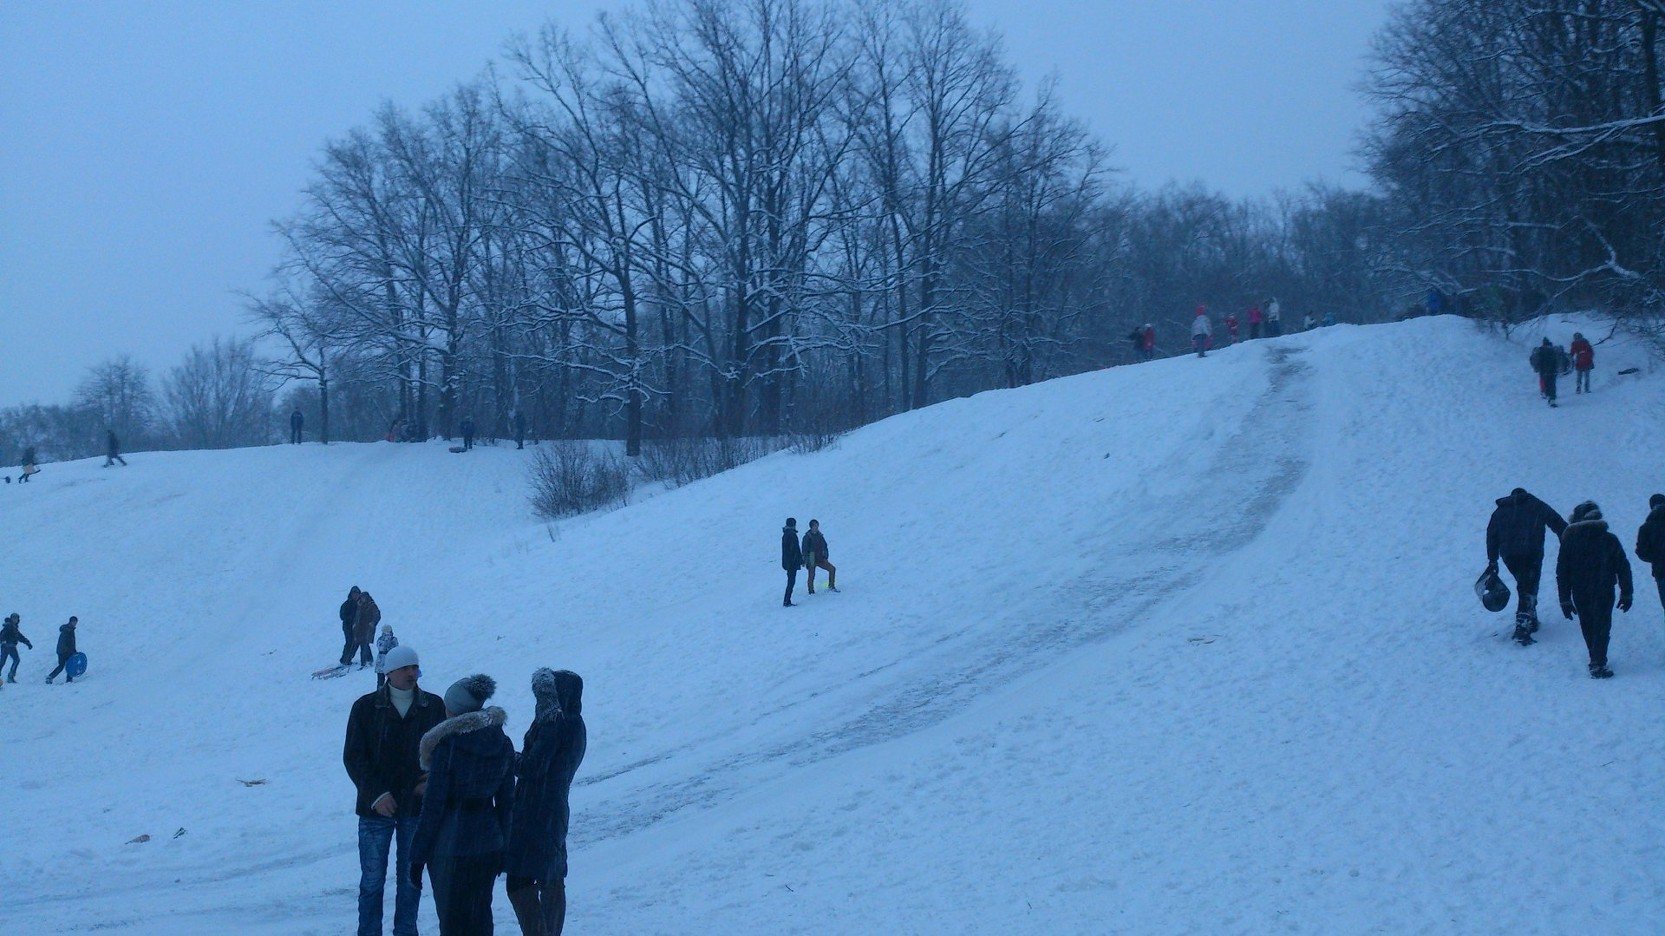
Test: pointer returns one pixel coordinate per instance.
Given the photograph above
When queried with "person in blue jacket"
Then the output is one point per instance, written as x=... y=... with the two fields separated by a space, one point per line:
x=536 y=861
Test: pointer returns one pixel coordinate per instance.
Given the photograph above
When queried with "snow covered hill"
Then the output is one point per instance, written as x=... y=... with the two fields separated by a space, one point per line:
x=1187 y=646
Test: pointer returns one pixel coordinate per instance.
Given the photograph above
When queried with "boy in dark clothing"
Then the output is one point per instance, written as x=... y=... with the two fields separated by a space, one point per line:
x=10 y=637
x=791 y=557
x=815 y=557
x=1516 y=533
x=112 y=451
x=468 y=433
x=1546 y=361
x=66 y=649
x=1590 y=564
x=296 y=421
x=1650 y=542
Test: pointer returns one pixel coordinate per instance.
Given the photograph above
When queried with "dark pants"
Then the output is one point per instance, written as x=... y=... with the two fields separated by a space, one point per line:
x=540 y=907
x=1658 y=582
x=112 y=458
x=375 y=838
x=1149 y=354
x=1200 y=342
x=363 y=647
x=1527 y=570
x=468 y=441
x=9 y=651
x=1254 y=330
x=1548 y=381
x=791 y=580
x=294 y=435
x=63 y=660
x=1597 y=624
x=1274 y=328
x=463 y=891
x=813 y=562
x=520 y=438
x=1581 y=383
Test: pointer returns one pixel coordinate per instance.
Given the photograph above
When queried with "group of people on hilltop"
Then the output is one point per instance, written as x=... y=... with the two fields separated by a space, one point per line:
x=1551 y=362
x=439 y=777
x=1592 y=574
x=1267 y=322
x=11 y=634
x=809 y=553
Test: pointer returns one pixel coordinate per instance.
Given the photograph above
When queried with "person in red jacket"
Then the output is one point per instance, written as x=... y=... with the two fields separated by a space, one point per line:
x=1148 y=346
x=1584 y=361
x=1255 y=318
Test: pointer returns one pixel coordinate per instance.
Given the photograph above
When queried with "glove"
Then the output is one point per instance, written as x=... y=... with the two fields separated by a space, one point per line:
x=1567 y=610
x=1491 y=567
x=1624 y=603
x=416 y=874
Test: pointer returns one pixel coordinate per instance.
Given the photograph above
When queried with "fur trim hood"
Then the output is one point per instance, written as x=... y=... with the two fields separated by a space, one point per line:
x=489 y=717
x=559 y=692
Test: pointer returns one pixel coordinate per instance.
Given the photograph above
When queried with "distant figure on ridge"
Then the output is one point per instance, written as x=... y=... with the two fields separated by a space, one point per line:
x=1202 y=331
x=815 y=557
x=28 y=465
x=520 y=428
x=112 y=451
x=1274 y=318
x=1591 y=563
x=1516 y=534
x=791 y=557
x=468 y=432
x=1255 y=320
x=296 y=421
x=1584 y=361
x=1231 y=327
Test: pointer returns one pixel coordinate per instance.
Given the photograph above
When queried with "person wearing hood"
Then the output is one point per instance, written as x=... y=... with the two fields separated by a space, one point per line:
x=349 y=623
x=791 y=557
x=464 y=827
x=1591 y=563
x=10 y=636
x=1202 y=331
x=1650 y=544
x=66 y=649
x=380 y=754
x=536 y=858
x=1546 y=361
x=384 y=642
x=1516 y=534
x=1584 y=361
x=112 y=449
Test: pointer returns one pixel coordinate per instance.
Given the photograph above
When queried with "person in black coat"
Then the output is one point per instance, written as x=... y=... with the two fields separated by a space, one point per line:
x=520 y=429
x=1516 y=534
x=1546 y=361
x=349 y=625
x=791 y=557
x=467 y=432
x=66 y=649
x=11 y=634
x=1650 y=542
x=384 y=733
x=296 y=421
x=1591 y=563
x=536 y=859
x=465 y=811
x=112 y=449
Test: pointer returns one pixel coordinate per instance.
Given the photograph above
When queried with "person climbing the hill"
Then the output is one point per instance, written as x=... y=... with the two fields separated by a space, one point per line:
x=384 y=732
x=364 y=627
x=1591 y=563
x=296 y=421
x=464 y=827
x=349 y=626
x=1584 y=361
x=815 y=557
x=1545 y=361
x=11 y=635
x=1274 y=318
x=1650 y=543
x=791 y=557
x=536 y=857
x=384 y=642
x=468 y=433
x=66 y=649
x=30 y=468
x=112 y=451
x=1202 y=331
x=1255 y=320
x=1516 y=534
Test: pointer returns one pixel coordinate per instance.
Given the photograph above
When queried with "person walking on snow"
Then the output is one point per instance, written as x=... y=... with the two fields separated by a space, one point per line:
x=66 y=649
x=1202 y=331
x=364 y=627
x=349 y=627
x=1584 y=361
x=1274 y=318
x=468 y=433
x=815 y=557
x=384 y=732
x=10 y=636
x=1650 y=543
x=1545 y=360
x=791 y=557
x=29 y=466
x=384 y=642
x=1231 y=327
x=1590 y=564
x=112 y=451
x=536 y=857
x=1255 y=319
x=1516 y=534
x=296 y=421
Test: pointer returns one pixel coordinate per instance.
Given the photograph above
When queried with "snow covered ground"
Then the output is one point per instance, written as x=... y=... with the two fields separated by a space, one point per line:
x=1188 y=646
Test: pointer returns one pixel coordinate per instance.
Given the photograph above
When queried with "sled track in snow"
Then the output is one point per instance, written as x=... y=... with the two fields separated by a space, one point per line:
x=1179 y=537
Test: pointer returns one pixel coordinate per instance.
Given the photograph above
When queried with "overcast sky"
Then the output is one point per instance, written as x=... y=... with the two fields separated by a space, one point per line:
x=145 y=147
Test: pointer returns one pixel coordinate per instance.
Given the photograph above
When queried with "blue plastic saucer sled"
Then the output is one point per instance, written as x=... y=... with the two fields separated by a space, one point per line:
x=76 y=666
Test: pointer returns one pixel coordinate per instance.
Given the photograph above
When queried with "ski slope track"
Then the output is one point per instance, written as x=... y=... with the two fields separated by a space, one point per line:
x=1181 y=647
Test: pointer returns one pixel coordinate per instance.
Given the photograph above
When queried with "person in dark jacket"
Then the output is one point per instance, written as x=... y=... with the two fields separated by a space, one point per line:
x=1516 y=534
x=520 y=429
x=112 y=449
x=815 y=557
x=29 y=466
x=349 y=627
x=1650 y=542
x=1592 y=561
x=1584 y=361
x=384 y=733
x=364 y=627
x=791 y=557
x=66 y=649
x=536 y=858
x=465 y=814
x=296 y=421
x=467 y=432
x=11 y=635
x=1546 y=361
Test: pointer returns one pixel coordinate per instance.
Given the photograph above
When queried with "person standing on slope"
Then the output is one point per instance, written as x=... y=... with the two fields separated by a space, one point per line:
x=520 y=429
x=29 y=465
x=384 y=642
x=791 y=557
x=296 y=421
x=1546 y=361
x=468 y=433
x=1202 y=331
x=384 y=732
x=536 y=857
x=66 y=649
x=349 y=627
x=815 y=557
x=1584 y=361
x=1149 y=346
x=1231 y=327
x=1516 y=533
x=364 y=627
x=1650 y=543
x=1274 y=318
x=1590 y=564
x=1255 y=319
x=112 y=451
x=10 y=636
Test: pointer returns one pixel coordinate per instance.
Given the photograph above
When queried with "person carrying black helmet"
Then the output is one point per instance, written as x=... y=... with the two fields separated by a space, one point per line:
x=1515 y=534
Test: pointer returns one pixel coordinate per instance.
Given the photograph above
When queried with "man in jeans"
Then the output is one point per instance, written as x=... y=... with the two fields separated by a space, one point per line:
x=384 y=732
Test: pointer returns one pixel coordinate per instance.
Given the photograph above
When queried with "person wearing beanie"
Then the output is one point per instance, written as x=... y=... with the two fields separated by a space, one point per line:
x=1546 y=361
x=791 y=557
x=1202 y=331
x=1650 y=543
x=1516 y=533
x=66 y=649
x=10 y=636
x=384 y=737
x=384 y=642
x=815 y=557
x=536 y=858
x=1591 y=563
x=465 y=815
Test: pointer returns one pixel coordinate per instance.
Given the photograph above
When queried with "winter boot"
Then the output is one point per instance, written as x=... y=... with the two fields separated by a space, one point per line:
x=1600 y=671
x=1529 y=608
x=1523 y=633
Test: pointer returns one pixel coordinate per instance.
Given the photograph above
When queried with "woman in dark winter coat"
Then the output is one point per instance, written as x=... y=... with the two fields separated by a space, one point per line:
x=465 y=808
x=1591 y=563
x=537 y=856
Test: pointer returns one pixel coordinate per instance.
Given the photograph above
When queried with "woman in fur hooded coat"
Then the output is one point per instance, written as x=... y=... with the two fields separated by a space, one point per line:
x=465 y=809
x=537 y=857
